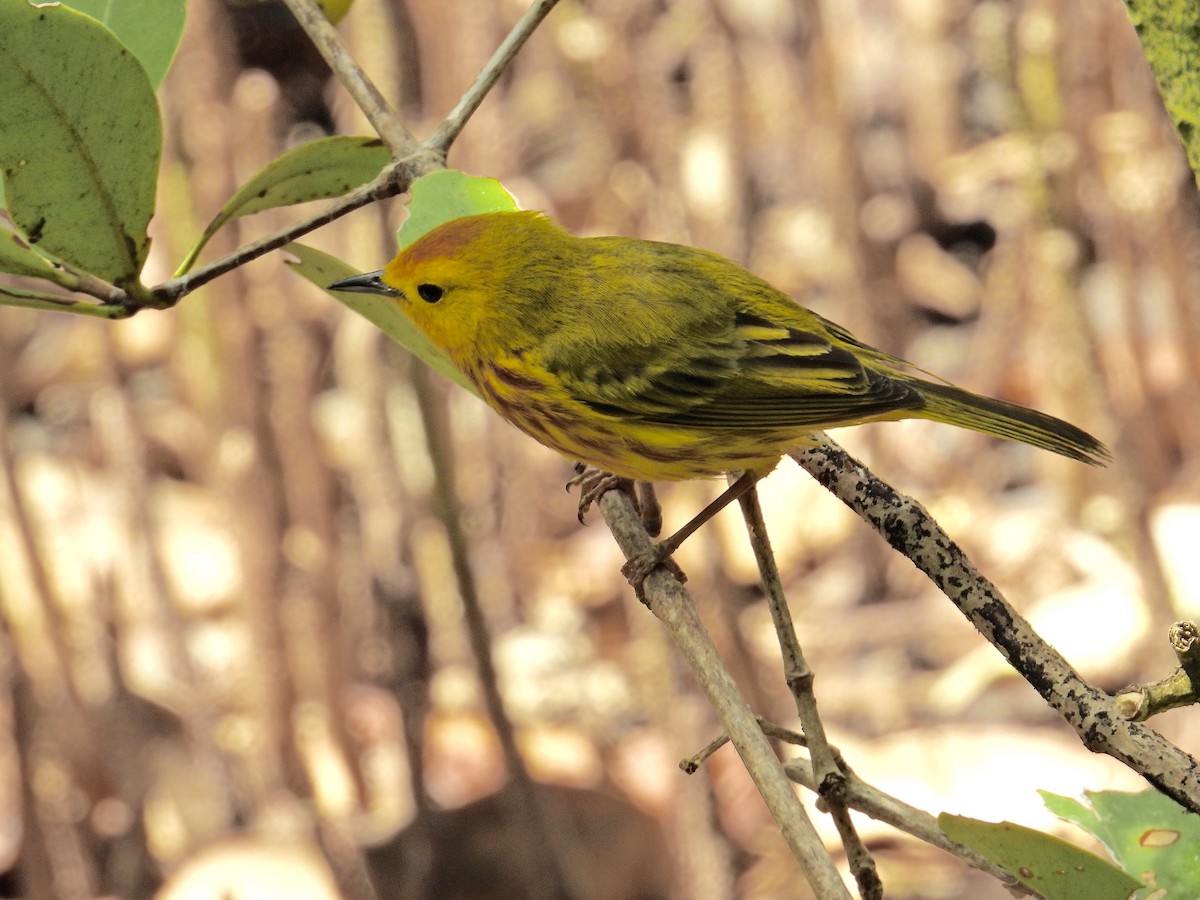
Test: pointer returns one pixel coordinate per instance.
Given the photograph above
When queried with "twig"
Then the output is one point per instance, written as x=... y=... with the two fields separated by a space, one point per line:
x=115 y=302
x=867 y=799
x=1093 y=714
x=690 y=765
x=1181 y=688
x=799 y=677
x=379 y=113
x=885 y=808
x=55 y=687
x=110 y=294
x=393 y=180
x=770 y=729
x=45 y=707
x=539 y=843
x=445 y=134
x=23 y=299
x=672 y=604
x=118 y=304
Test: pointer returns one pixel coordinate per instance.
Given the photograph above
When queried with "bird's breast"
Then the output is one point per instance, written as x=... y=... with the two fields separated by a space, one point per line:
x=533 y=401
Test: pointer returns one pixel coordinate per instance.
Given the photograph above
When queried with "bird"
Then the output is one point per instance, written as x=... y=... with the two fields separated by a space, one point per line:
x=655 y=361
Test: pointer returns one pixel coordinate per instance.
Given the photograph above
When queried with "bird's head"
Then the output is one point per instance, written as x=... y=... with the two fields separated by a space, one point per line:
x=460 y=282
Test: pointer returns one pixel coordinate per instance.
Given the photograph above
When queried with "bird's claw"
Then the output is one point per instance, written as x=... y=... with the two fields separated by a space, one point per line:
x=593 y=483
x=638 y=569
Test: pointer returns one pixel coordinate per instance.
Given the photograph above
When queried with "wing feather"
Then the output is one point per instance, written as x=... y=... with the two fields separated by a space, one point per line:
x=717 y=366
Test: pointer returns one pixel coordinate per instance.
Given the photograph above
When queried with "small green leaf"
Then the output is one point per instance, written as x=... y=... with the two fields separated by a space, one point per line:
x=324 y=168
x=80 y=141
x=1146 y=832
x=1054 y=868
x=151 y=29
x=323 y=270
x=450 y=194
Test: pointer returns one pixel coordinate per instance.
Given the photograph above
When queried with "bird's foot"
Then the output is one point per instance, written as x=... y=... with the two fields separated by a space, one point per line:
x=638 y=569
x=593 y=483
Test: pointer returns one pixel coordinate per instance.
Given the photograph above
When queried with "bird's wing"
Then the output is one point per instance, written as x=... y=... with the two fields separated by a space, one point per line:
x=701 y=365
x=794 y=376
x=628 y=379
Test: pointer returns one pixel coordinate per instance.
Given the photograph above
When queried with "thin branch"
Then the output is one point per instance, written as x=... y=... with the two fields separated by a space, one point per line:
x=393 y=180
x=885 y=808
x=1094 y=715
x=109 y=294
x=441 y=139
x=1181 y=688
x=799 y=677
x=672 y=604
x=867 y=799
x=118 y=304
x=539 y=844
x=378 y=111
x=690 y=765
x=115 y=302
x=54 y=303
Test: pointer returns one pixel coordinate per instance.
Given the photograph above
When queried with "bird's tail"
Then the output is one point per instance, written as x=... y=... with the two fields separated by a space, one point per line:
x=955 y=406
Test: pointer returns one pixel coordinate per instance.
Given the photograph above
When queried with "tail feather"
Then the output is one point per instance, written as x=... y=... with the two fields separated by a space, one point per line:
x=955 y=406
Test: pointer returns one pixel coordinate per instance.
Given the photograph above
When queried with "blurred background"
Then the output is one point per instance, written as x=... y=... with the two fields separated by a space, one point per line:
x=235 y=657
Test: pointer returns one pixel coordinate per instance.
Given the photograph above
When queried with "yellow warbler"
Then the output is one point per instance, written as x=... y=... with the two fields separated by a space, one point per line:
x=660 y=362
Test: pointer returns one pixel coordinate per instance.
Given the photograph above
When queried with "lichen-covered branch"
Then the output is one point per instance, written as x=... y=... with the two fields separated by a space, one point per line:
x=1094 y=715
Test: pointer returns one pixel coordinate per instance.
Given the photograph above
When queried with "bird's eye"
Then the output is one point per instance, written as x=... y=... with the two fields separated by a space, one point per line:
x=430 y=293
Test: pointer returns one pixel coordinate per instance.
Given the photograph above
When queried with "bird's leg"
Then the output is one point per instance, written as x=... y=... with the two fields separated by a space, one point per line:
x=637 y=569
x=649 y=508
x=593 y=483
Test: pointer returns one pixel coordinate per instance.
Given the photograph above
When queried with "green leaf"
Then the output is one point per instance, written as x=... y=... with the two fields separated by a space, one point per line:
x=324 y=168
x=450 y=194
x=80 y=141
x=323 y=270
x=1146 y=833
x=151 y=29
x=1054 y=868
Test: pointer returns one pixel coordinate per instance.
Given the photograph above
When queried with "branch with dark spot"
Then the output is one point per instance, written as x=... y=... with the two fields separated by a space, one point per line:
x=1094 y=715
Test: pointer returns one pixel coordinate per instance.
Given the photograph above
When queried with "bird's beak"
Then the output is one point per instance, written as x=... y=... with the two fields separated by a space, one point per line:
x=367 y=283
